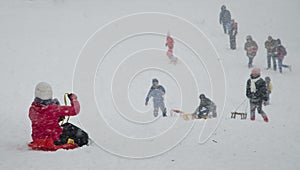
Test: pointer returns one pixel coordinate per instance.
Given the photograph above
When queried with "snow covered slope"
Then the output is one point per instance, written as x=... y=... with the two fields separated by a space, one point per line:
x=40 y=41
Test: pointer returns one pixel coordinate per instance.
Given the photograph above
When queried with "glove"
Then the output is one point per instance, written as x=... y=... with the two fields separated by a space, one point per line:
x=72 y=96
x=61 y=118
x=265 y=98
x=252 y=95
x=147 y=100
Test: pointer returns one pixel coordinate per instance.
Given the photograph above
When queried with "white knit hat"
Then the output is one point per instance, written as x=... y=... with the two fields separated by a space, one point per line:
x=43 y=91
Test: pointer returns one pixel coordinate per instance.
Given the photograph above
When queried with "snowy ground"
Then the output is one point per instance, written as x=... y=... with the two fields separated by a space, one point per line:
x=41 y=40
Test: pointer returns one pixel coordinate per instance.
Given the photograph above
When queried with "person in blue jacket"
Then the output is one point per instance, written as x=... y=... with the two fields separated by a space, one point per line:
x=157 y=92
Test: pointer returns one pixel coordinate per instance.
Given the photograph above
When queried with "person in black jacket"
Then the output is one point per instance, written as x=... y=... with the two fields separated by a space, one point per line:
x=256 y=92
x=206 y=106
x=224 y=18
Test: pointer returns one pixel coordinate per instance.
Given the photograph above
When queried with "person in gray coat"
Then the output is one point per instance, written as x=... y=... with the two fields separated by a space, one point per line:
x=224 y=18
x=157 y=92
x=270 y=45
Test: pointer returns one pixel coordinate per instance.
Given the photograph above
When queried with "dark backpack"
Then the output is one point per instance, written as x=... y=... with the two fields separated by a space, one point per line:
x=282 y=50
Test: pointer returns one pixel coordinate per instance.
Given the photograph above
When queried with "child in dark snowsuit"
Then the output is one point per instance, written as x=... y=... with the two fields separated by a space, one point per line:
x=157 y=92
x=206 y=106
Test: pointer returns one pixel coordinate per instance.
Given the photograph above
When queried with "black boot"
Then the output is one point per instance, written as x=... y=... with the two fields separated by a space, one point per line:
x=165 y=113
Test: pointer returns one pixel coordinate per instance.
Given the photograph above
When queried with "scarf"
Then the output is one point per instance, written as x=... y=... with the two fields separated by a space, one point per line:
x=46 y=102
x=253 y=86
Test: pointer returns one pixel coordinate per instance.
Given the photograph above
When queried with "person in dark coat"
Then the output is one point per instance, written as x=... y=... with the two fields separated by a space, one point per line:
x=251 y=49
x=224 y=18
x=270 y=45
x=206 y=106
x=256 y=92
x=233 y=30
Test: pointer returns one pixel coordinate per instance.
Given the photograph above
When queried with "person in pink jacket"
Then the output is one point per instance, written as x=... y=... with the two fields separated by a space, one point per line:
x=45 y=114
x=170 y=45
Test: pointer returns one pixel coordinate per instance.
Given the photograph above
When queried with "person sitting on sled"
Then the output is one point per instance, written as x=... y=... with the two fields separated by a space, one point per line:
x=206 y=106
x=45 y=114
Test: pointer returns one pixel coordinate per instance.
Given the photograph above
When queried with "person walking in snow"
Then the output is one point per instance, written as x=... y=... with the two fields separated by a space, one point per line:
x=233 y=30
x=251 y=49
x=269 y=87
x=256 y=92
x=281 y=53
x=45 y=114
x=170 y=45
x=224 y=18
x=270 y=45
x=206 y=106
x=157 y=92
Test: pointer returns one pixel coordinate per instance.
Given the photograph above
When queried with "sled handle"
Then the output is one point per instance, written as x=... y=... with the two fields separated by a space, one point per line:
x=240 y=105
x=65 y=102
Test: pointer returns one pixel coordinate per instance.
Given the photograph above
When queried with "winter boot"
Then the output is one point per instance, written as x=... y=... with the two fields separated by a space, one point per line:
x=266 y=119
x=266 y=103
x=165 y=113
x=214 y=114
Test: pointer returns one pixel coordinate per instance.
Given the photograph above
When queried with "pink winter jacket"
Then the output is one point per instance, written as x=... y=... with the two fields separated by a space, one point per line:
x=170 y=42
x=45 y=118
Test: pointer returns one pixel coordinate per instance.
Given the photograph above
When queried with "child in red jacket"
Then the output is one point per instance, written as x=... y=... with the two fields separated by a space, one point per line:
x=45 y=114
x=170 y=45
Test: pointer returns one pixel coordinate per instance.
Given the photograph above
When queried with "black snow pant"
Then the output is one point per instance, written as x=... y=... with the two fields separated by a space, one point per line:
x=212 y=109
x=256 y=105
x=71 y=131
x=267 y=102
x=232 y=40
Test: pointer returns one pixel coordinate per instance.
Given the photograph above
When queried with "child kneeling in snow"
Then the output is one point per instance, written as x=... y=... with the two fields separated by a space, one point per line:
x=45 y=114
x=206 y=106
